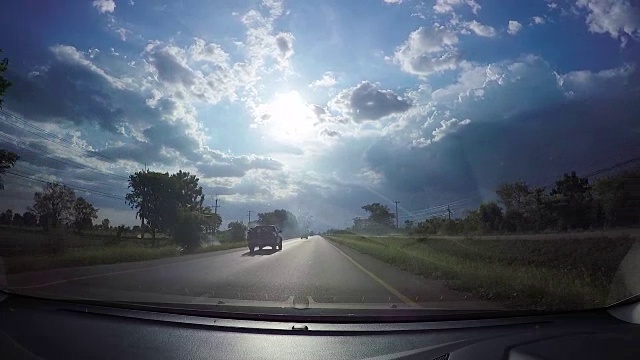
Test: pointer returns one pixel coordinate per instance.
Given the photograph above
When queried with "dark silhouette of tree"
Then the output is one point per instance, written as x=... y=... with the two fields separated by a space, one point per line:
x=54 y=204
x=105 y=224
x=6 y=217
x=283 y=219
x=29 y=219
x=490 y=216
x=18 y=220
x=379 y=215
x=571 y=200
x=7 y=160
x=4 y=83
x=83 y=214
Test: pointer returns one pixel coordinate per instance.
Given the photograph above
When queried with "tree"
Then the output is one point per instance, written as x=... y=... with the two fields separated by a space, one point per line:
x=237 y=231
x=283 y=219
x=151 y=195
x=54 y=204
x=572 y=201
x=4 y=83
x=408 y=224
x=105 y=224
x=7 y=160
x=379 y=215
x=158 y=198
x=6 y=217
x=29 y=219
x=83 y=214
x=212 y=221
x=490 y=216
x=188 y=193
x=18 y=220
x=618 y=199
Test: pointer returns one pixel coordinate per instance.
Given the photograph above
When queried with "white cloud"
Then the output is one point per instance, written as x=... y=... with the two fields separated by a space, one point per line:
x=428 y=50
x=514 y=27
x=448 y=127
x=537 y=20
x=123 y=33
x=584 y=83
x=328 y=80
x=618 y=18
x=203 y=51
x=104 y=6
x=480 y=29
x=447 y=6
x=393 y=1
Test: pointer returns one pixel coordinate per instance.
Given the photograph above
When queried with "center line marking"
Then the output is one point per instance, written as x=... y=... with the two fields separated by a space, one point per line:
x=391 y=289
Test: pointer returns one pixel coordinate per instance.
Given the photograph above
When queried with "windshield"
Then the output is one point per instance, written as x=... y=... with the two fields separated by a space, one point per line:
x=449 y=155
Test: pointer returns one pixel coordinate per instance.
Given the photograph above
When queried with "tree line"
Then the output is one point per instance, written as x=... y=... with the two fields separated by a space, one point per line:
x=572 y=203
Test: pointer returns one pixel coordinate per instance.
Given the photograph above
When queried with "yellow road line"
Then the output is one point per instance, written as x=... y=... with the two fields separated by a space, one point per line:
x=391 y=289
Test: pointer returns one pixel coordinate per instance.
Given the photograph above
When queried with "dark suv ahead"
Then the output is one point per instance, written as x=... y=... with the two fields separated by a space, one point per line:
x=264 y=235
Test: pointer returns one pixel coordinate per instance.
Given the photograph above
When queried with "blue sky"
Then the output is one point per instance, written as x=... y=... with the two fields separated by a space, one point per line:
x=318 y=107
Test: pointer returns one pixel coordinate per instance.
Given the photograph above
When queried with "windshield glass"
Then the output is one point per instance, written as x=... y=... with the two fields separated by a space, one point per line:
x=450 y=155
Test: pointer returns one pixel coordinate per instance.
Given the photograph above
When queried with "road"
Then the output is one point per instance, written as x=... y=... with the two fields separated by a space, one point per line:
x=315 y=270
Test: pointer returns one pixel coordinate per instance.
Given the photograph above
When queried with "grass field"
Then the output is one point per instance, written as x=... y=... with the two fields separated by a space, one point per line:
x=544 y=274
x=28 y=249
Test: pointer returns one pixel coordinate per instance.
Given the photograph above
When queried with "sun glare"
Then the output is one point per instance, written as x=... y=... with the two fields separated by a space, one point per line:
x=290 y=118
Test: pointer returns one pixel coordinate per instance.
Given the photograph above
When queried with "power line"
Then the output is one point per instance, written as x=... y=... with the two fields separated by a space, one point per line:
x=57 y=158
x=71 y=144
x=75 y=187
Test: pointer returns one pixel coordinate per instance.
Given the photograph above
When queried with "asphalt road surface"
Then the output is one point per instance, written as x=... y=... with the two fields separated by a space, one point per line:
x=319 y=272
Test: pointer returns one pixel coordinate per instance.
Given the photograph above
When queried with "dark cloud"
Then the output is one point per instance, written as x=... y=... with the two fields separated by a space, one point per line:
x=367 y=102
x=330 y=133
x=537 y=146
x=71 y=89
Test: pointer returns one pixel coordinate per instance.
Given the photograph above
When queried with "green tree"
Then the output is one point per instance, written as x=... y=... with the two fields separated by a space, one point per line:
x=379 y=215
x=152 y=195
x=618 y=199
x=237 y=231
x=7 y=160
x=490 y=216
x=571 y=201
x=212 y=221
x=188 y=194
x=83 y=214
x=54 y=204
x=188 y=228
x=408 y=224
x=283 y=219
x=105 y=224
x=4 y=83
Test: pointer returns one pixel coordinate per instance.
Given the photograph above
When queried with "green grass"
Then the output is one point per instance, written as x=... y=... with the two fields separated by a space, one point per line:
x=101 y=255
x=522 y=274
x=88 y=256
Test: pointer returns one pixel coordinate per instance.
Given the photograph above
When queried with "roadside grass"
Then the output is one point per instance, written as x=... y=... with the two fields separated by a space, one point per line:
x=88 y=256
x=543 y=274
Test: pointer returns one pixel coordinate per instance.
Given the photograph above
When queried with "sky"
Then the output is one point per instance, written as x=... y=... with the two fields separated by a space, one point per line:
x=317 y=107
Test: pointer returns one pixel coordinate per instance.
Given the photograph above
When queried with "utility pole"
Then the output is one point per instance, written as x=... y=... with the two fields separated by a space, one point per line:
x=215 y=207
x=249 y=224
x=396 y=214
x=449 y=211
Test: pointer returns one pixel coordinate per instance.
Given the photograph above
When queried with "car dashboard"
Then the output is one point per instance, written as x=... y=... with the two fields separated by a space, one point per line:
x=32 y=328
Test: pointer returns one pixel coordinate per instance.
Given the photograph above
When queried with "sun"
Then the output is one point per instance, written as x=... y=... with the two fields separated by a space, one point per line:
x=289 y=118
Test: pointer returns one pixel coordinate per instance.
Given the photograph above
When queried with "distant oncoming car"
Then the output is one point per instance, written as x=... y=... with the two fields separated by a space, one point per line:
x=264 y=235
